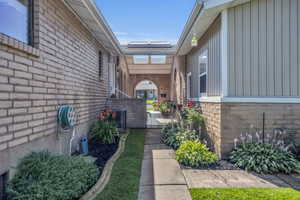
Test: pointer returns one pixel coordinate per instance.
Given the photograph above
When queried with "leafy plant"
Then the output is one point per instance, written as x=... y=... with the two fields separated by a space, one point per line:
x=264 y=158
x=175 y=136
x=195 y=154
x=42 y=176
x=165 y=107
x=194 y=118
x=104 y=132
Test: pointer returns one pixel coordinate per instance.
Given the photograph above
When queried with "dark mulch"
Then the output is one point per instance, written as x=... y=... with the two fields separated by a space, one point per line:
x=220 y=165
x=103 y=152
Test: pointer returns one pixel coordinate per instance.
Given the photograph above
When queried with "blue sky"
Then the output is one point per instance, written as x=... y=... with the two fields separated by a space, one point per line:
x=145 y=20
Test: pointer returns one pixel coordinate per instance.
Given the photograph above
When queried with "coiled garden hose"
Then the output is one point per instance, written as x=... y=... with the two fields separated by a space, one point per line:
x=67 y=120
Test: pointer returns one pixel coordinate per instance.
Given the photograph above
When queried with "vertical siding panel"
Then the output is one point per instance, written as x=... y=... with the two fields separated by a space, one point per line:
x=218 y=49
x=231 y=50
x=195 y=77
x=286 y=47
x=254 y=48
x=262 y=48
x=298 y=66
x=270 y=49
x=239 y=52
x=293 y=48
x=278 y=48
x=247 y=49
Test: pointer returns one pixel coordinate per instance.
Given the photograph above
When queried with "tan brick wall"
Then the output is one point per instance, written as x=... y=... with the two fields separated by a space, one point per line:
x=61 y=69
x=162 y=81
x=240 y=117
x=212 y=129
x=226 y=121
x=136 y=115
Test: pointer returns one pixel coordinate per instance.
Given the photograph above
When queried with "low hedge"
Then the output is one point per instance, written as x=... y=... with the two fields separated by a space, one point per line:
x=42 y=176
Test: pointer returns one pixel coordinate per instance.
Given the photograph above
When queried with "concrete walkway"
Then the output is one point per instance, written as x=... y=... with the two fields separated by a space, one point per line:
x=156 y=120
x=162 y=178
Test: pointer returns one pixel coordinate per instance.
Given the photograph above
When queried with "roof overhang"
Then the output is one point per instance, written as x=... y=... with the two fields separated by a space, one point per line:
x=203 y=15
x=149 y=51
x=92 y=18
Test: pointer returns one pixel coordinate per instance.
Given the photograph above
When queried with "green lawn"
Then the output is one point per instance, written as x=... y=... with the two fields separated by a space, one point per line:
x=124 y=181
x=245 y=194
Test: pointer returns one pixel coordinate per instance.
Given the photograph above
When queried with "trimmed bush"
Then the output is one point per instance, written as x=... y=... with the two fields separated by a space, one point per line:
x=264 y=158
x=195 y=154
x=42 y=176
x=104 y=132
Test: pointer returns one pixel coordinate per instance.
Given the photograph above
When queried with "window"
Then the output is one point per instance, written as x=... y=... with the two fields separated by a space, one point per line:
x=158 y=59
x=16 y=19
x=189 y=85
x=203 y=62
x=141 y=59
x=3 y=182
x=100 y=64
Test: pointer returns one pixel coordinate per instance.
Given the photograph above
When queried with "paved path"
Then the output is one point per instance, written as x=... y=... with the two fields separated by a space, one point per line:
x=156 y=120
x=162 y=178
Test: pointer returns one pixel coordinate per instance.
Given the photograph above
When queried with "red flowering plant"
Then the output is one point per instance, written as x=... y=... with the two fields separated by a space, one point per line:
x=107 y=115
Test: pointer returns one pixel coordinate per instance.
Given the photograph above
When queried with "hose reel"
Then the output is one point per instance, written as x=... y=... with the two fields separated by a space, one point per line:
x=67 y=120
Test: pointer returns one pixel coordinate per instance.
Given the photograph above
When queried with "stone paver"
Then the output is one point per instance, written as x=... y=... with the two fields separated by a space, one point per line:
x=238 y=179
x=172 y=192
x=167 y=172
x=162 y=178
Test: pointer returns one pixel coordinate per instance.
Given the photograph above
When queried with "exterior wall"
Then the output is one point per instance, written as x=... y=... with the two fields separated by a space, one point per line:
x=264 y=48
x=123 y=77
x=178 y=79
x=226 y=121
x=162 y=82
x=136 y=111
x=34 y=82
x=212 y=129
x=211 y=41
x=241 y=117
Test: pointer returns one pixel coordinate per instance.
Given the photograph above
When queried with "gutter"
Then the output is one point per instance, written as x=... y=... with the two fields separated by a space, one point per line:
x=198 y=7
x=90 y=4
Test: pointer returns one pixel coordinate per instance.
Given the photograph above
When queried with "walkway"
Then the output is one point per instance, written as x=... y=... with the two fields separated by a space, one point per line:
x=162 y=178
x=156 y=120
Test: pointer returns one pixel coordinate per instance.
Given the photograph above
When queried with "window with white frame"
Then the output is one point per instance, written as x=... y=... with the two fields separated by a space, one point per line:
x=189 y=85
x=203 y=63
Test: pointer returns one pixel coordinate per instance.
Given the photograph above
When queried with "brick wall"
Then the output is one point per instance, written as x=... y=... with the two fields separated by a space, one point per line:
x=61 y=69
x=242 y=117
x=212 y=129
x=162 y=81
x=136 y=111
x=226 y=121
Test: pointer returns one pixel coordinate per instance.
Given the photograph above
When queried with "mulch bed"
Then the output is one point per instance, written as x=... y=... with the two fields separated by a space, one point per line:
x=103 y=152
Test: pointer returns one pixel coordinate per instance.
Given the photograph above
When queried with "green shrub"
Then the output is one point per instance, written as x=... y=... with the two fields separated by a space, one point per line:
x=264 y=158
x=165 y=107
x=194 y=118
x=41 y=176
x=175 y=136
x=104 y=132
x=195 y=154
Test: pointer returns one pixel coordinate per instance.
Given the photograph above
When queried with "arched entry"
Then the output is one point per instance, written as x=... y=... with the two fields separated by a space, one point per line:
x=146 y=90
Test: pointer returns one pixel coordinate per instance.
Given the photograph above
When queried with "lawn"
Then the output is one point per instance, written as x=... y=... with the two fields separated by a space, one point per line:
x=245 y=194
x=124 y=181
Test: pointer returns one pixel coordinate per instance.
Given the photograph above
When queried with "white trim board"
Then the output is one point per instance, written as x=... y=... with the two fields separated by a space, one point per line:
x=247 y=99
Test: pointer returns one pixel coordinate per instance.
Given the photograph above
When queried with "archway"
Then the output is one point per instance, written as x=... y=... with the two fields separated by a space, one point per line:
x=146 y=90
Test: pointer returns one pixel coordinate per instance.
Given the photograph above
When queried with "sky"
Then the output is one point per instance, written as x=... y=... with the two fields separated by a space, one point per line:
x=146 y=20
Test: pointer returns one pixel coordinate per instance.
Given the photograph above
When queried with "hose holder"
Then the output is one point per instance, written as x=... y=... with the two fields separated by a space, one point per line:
x=67 y=120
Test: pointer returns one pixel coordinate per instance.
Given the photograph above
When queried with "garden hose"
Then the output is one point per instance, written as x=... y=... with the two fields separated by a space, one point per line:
x=67 y=120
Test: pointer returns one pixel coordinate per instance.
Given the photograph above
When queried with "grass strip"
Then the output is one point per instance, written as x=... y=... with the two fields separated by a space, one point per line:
x=125 y=177
x=244 y=194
